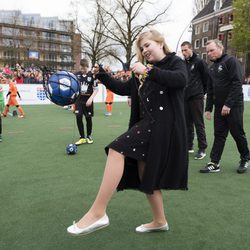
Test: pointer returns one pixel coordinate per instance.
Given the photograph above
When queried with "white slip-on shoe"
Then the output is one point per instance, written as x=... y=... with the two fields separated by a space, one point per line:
x=143 y=229
x=101 y=223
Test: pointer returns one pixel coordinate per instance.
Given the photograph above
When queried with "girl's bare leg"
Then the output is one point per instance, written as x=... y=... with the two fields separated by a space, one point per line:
x=111 y=178
x=157 y=207
x=156 y=203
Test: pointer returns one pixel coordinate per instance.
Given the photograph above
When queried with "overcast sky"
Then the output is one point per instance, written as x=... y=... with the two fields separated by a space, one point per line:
x=180 y=15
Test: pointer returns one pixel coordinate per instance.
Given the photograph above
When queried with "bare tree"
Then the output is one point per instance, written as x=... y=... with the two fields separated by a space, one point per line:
x=95 y=44
x=125 y=23
x=110 y=33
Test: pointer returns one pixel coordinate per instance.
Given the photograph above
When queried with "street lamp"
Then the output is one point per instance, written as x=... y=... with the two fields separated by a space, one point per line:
x=189 y=30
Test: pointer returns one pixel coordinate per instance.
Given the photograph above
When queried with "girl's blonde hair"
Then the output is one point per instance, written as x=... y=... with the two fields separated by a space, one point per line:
x=153 y=35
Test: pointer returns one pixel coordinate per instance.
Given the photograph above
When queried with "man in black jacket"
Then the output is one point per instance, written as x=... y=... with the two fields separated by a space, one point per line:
x=194 y=99
x=224 y=92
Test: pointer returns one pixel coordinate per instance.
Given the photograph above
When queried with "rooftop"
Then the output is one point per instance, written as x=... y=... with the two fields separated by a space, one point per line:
x=34 y=20
x=210 y=7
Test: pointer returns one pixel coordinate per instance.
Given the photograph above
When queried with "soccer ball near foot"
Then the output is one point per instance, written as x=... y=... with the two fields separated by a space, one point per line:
x=71 y=149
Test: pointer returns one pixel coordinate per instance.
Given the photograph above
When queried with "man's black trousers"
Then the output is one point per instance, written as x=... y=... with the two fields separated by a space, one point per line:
x=232 y=123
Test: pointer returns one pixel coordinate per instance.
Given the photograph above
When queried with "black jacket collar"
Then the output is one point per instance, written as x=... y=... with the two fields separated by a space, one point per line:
x=165 y=59
x=219 y=59
x=190 y=59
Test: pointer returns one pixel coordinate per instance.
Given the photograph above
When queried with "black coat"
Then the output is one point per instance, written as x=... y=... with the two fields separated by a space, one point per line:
x=167 y=160
x=225 y=85
x=198 y=77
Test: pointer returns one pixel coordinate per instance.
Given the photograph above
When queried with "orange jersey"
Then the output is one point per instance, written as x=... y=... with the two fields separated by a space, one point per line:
x=109 y=96
x=12 y=101
x=13 y=93
x=12 y=89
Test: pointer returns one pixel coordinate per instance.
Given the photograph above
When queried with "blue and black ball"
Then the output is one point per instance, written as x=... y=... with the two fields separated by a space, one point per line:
x=62 y=88
x=71 y=149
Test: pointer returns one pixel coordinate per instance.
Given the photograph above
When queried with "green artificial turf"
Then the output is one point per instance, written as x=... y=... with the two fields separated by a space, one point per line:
x=42 y=190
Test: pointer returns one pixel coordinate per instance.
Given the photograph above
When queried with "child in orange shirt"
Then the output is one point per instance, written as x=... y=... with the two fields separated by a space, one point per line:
x=13 y=92
x=109 y=101
x=109 y=96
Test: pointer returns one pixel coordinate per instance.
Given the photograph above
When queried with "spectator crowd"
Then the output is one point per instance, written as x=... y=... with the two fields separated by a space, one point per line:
x=34 y=74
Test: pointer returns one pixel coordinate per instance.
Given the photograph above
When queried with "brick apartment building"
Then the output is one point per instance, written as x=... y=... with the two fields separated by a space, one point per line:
x=215 y=20
x=43 y=41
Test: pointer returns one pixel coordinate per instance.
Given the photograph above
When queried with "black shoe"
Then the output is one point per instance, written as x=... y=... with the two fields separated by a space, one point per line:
x=210 y=168
x=242 y=167
x=199 y=155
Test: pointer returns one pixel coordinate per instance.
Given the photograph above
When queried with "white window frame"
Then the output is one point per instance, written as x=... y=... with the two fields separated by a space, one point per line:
x=205 y=27
x=204 y=41
x=204 y=56
x=195 y=44
x=197 y=29
x=217 y=5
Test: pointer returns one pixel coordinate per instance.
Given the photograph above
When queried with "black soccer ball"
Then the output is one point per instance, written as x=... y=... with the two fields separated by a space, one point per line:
x=71 y=149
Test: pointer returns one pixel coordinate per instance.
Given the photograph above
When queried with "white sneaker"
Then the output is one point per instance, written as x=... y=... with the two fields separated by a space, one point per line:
x=199 y=155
